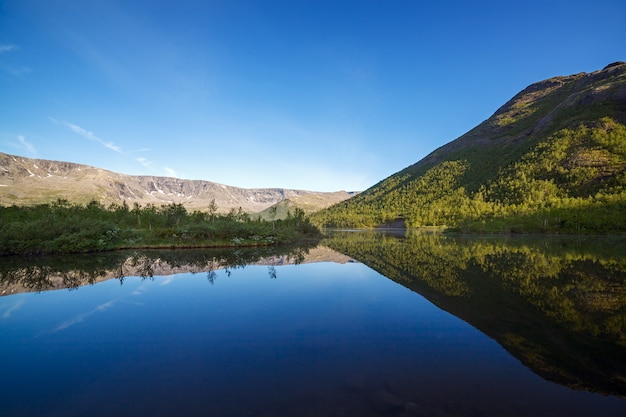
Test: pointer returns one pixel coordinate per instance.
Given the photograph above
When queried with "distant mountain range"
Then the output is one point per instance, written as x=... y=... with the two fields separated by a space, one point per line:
x=551 y=159
x=26 y=181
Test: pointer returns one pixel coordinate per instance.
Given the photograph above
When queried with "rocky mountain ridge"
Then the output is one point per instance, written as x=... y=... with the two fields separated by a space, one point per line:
x=26 y=181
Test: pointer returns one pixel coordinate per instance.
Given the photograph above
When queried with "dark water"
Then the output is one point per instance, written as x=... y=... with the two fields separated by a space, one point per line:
x=381 y=326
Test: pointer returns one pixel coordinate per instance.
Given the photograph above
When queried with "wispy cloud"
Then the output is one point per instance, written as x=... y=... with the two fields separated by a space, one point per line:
x=87 y=134
x=15 y=71
x=26 y=145
x=144 y=162
x=171 y=172
x=148 y=164
x=138 y=150
x=7 y=48
x=91 y=136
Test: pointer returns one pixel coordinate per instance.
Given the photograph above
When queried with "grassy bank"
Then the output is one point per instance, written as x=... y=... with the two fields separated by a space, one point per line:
x=62 y=227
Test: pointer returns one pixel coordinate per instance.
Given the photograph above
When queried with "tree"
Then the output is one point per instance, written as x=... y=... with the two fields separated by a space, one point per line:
x=273 y=215
x=212 y=209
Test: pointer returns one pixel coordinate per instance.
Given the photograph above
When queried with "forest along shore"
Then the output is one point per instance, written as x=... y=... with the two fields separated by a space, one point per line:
x=63 y=227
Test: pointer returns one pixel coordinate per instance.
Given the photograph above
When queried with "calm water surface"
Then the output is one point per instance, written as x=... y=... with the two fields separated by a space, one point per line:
x=327 y=338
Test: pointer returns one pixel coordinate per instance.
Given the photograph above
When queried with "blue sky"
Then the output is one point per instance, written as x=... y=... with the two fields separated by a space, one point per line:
x=319 y=95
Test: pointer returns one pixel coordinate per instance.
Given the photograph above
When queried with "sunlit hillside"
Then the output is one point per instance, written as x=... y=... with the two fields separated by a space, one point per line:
x=552 y=159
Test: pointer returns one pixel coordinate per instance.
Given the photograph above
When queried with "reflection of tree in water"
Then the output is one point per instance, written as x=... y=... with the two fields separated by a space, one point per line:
x=425 y=258
x=557 y=303
x=211 y=275
x=144 y=265
x=51 y=272
x=19 y=274
x=271 y=271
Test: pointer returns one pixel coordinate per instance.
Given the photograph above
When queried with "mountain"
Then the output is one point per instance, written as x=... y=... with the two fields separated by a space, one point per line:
x=25 y=181
x=553 y=158
x=308 y=203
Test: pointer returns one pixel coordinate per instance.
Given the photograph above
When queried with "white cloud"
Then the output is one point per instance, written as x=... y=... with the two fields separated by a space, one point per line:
x=87 y=134
x=26 y=145
x=171 y=172
x=7 y=48
x=138 y=150
x=91 y=136
x=143 y=161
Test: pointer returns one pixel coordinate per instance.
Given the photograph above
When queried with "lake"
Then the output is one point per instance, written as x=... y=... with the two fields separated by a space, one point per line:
x=364 y=324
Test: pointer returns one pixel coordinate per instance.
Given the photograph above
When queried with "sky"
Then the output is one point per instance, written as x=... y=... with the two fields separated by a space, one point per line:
x=303 y=94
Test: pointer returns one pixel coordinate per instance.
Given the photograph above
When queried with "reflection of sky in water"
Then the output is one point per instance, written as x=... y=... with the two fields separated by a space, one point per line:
x=9 y=309
x=320 y=339
x=79 y=318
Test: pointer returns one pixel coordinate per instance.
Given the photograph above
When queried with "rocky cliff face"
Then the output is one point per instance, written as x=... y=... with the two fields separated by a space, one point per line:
x=25 y=181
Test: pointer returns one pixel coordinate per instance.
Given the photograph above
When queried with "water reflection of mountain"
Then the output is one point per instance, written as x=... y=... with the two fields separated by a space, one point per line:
x=19 y=274
x=556 y=303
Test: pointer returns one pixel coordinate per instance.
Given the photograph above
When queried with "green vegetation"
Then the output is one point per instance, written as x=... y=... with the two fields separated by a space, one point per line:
x=63 y=227
x=558 y=303
x=551 y=160
x=573 y=182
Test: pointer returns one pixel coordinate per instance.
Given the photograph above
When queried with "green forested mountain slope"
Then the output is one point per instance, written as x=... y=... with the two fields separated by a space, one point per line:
x=551 y=159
